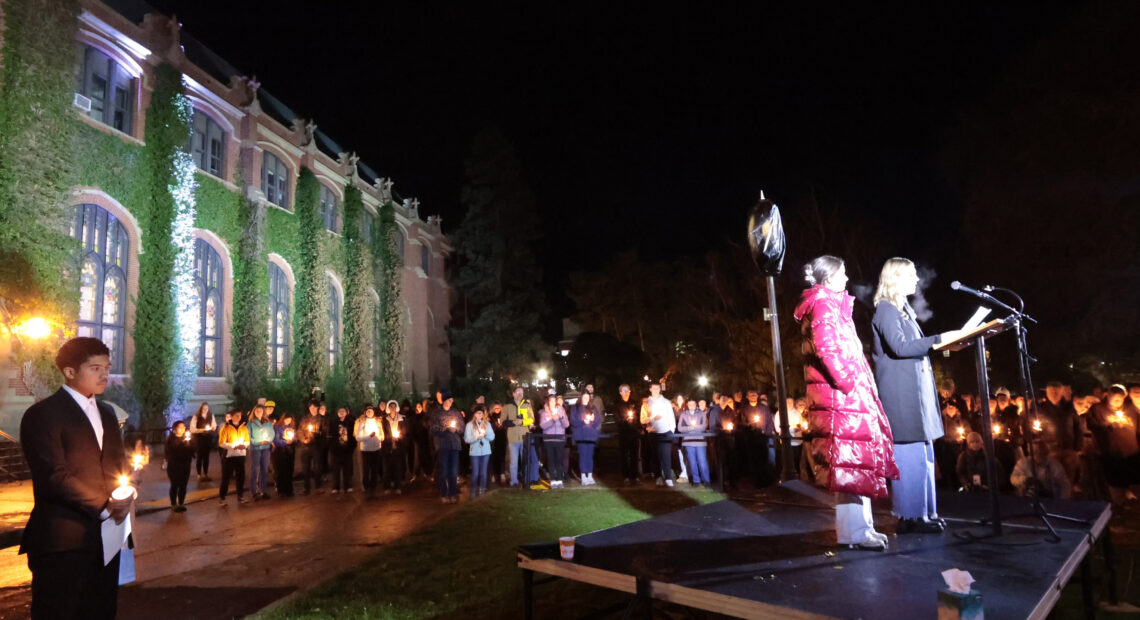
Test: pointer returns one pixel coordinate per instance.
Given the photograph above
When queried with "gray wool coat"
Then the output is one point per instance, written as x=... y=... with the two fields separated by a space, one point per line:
x=904 y=375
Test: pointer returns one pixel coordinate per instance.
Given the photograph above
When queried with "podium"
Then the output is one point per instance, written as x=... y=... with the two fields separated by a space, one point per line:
x=977 y=337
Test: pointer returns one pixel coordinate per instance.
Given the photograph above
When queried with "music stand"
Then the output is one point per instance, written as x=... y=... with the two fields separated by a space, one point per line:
x=977 y=338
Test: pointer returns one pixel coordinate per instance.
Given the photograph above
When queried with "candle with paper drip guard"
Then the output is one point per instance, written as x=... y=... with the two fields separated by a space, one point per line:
x=997 y=429
x=451 y=424
x=288 y=435
x=629 y=415
x=589 y=418
x=124 y=490
x=1119 y=419
x=370 y=427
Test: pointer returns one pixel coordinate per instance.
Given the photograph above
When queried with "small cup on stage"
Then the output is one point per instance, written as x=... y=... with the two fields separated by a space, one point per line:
x=566 y=546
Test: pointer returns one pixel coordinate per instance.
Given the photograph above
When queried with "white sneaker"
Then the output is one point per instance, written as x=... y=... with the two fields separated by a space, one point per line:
x=682 y=478
x=590 y=478
x=669 y=483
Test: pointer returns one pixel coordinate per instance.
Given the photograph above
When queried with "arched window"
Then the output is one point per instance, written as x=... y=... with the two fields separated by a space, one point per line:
x=208 y=279
x=107 y=89
x=208 y=144
x=103 y=278
x=334 y=325
x=329 y=208
x=278 y=320
x=275 y=180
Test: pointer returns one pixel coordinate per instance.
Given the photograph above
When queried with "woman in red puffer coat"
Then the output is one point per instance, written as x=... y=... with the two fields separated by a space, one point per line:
x=844 y=411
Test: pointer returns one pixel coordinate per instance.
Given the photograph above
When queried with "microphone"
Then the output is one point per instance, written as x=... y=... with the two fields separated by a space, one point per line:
x=958 y=286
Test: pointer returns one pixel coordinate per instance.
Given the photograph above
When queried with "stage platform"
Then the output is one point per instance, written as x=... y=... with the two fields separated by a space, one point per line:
x=777 y=558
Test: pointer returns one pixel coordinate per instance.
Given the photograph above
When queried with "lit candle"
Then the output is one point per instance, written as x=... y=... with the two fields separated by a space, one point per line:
x=370 y=427
x=756 y=419
x=395 y=432
x=451 y=424
x=124 y=490
x=589 y=418
x=1118 y=418
x=997 y=429
x=186 y=437
x=728 y=427
x=264 y=435
x=1037 y=425
x=961 y=433
x=629 y=415
x=287 y=435
x=310 y=428
x=137 y=461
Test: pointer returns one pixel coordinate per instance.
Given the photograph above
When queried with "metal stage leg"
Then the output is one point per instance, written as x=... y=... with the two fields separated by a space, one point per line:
x=528 y=594
x=1087 y=598
x=987 y=431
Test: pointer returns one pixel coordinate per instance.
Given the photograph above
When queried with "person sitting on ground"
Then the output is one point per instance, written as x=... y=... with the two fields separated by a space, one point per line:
x=972 y=466
x=479 y=435
x=586 y=423
x=1051 y=478
x=179 y=452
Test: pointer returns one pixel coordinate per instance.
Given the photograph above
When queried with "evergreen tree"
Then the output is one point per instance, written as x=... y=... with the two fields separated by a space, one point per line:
x=311 y=306
x=498 y=299
x=358 y=312
x=389 y=264
x=250 y=309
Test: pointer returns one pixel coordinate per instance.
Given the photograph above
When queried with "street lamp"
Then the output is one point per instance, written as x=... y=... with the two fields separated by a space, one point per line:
x=542 y=375
x=703 y=381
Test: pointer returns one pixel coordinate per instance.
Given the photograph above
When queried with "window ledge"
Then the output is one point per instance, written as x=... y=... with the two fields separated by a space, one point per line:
x=101 y=126
x=274 y=205
x=227 y=184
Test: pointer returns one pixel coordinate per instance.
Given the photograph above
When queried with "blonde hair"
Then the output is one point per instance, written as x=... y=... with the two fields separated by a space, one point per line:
x=888 y=290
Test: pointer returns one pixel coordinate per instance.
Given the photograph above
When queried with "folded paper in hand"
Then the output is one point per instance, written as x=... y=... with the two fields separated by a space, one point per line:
x=958 y=580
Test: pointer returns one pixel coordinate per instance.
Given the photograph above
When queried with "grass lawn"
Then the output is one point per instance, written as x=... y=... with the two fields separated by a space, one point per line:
x=465 y=565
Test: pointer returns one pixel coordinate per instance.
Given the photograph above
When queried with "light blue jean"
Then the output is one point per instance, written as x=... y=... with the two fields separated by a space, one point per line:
x=479 y=472
x=259 y=471
x=912 y=495
x=698 y=463
x=514 y=455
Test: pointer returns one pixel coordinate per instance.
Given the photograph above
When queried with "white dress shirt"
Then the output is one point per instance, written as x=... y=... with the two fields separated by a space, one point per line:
x=91 y=410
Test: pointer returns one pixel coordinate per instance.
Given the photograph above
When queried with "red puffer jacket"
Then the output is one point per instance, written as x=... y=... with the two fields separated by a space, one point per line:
x=844 y=411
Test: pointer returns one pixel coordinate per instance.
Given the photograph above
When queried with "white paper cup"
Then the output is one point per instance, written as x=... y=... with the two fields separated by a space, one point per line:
x=566 y=546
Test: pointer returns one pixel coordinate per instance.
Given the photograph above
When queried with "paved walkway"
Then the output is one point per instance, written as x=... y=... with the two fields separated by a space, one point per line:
x=224 y=562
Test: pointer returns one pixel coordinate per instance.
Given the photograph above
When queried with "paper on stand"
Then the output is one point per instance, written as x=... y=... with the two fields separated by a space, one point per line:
x=957 y=580
x=976 y=320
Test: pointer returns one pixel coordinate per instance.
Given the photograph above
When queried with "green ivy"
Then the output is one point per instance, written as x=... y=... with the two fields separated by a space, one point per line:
x=251 y=290
x=311 y=297
x=38 y=259
x=358 y=314
x=156 y=337
x=389 y=264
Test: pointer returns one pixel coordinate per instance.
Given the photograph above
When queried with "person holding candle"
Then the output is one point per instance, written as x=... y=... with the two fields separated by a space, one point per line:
x=447 y=426
x=586 y=424
x=261 y=434
x=1114 y=424
x=479 y=435
x=518 y=417
x=369 y=436
x=909 y=396
x=626 y=415
x=395 y=448
x=203 y=428
x=971 y=469
x=284 y=455
x=757 y=427
x=75 y=455
x=234 y=438
x=553 y=421
x=179 y=452
x=310 y=433
x=692 y=425
x=726 y=439
x=341 y=448
x=657 y=416
x=844 y=412
x=499 y=445
x=324 y=442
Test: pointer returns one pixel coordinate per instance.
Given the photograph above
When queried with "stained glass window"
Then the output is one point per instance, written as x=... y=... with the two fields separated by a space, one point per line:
x=102 y=278
x=208 y=279
x=279 y=305
x=334 y=325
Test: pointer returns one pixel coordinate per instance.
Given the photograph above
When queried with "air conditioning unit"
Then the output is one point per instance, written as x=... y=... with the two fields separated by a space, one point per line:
x=81 y=102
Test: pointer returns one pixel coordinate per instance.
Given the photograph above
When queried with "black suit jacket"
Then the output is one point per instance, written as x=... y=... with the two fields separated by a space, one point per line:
x=72 y=478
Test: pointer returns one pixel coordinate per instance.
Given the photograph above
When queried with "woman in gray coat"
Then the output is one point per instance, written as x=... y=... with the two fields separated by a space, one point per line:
x=909 y=395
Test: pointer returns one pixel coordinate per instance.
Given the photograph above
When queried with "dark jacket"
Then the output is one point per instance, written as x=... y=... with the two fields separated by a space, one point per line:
x=583 y=430
x=72 y=479
x=312 y=429
x=447 y=427
x=621 y=409
x=179 y=452
x=904 y=376
x=342 y=438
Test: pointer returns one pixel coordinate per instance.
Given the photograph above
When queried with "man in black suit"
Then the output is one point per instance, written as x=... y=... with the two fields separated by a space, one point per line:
x=75 y=453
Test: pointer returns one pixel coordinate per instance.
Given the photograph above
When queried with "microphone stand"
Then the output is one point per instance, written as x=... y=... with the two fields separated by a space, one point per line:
x=1024 y=360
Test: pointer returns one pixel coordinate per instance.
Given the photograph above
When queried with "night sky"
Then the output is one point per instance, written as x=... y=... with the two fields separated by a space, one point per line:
x=648 y=126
